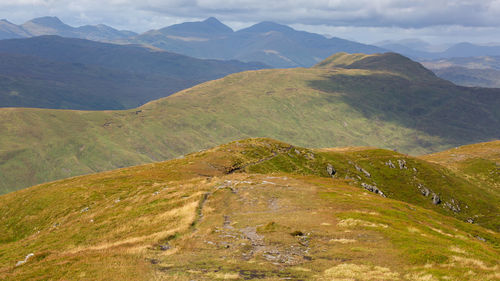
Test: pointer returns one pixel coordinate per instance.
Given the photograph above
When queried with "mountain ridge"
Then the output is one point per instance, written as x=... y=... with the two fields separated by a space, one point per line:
x=54 y=26
x=57 y=72
x=303 y=106
x=238 y=211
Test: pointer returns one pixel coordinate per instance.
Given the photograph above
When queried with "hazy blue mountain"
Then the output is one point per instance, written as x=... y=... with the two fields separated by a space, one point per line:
x=207 y=28
x=271 y=43
x=9 y=30
x=57 y=72
x=470 y=77
x=468 y=71
x=407 y=50
x=471 y=50
x=54 y=26
x=418 y=50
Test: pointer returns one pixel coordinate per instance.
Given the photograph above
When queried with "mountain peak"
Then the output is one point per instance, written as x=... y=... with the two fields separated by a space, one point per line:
x=209 y=26
x=391 y=62
x=212 y=20
x=267 y=26
x=48 y=21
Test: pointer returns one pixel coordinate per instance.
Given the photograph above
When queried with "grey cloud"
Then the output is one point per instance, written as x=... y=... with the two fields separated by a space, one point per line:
x=399 y=13
x=406 y=18
x=341 y=12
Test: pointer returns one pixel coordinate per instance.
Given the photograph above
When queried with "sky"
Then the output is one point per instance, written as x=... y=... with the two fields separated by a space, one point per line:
x=436 y=21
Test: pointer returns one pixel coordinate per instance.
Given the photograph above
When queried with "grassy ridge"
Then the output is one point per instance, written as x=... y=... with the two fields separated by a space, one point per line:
x=237 y=211
x=318 y=107
x=479 y=162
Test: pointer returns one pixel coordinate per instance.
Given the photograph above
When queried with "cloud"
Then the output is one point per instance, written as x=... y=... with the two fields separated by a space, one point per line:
x=399 y=13
x=334 y=15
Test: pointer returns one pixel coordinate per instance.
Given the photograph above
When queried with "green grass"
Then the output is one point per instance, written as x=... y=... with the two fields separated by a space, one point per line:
x=205 y=207
x=316 y=107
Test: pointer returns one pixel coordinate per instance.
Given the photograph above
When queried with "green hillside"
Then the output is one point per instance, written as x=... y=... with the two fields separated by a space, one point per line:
x=68 y=73
x=256 y=209
x=479 y=162
x=409 y=110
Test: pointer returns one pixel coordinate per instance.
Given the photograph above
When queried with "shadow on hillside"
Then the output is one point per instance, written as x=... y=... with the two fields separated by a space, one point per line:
x=458 y=115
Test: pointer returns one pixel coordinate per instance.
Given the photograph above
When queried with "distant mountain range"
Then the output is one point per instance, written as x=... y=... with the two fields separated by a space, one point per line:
x=468 y=71
x=54 y=26
x=270 y=43
x=56 y=72
x=419 y=50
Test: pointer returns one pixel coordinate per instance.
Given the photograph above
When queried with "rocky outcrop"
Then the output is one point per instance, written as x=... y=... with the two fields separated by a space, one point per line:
x=372 y=188
x=452 y=206
x=390 y=164
x=424 y=190
x=362 y=170
x=25 y=259
x=435 y=199
x=402 y=164
x=330 y=170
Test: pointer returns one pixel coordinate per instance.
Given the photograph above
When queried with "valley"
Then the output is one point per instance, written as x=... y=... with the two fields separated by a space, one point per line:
x=66 y=73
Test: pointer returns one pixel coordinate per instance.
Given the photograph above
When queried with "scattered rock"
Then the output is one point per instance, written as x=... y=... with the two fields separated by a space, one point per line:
x=390 y=164
x=268 y=182
x=402 y=164
x=330 y=170
x=156 y=193
x=453 y=206
x=372 y=188
x=424 y=190
x=117 y=200
x=363 y=171
x=25 y=259
x=435 y=199
x=296 y=151
x=309 y=156
x=227 y=222
x=480 y=238
x=164 y=247
x=86 y=209
x=470 y=220
x=415 y=169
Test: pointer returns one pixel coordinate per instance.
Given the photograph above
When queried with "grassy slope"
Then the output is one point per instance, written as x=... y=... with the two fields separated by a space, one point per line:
x=479 y=162
x=27 y=81
x=69 y=73
x=411 y=111
x=238 y=211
